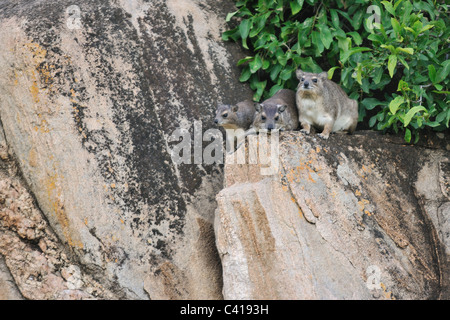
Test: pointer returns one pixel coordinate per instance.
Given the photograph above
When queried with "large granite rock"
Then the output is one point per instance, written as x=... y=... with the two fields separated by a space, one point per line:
x=90 y=95
x=354 y=217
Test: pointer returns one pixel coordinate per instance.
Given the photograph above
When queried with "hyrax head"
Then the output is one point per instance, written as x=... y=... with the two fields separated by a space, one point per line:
x=310 y=81
x=226 y=114
x=269 y=116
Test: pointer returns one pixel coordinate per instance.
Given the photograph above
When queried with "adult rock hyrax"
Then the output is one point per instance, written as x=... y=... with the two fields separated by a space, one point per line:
x=323 y=104
x=235 y=119
x=276 y=113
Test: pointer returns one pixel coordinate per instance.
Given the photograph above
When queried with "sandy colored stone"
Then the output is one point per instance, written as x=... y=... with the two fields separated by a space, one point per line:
x=338 y=215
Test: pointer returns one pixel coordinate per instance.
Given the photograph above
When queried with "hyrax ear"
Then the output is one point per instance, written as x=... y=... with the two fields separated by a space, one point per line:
x=234 y=108
x=299 y=73
x=323 y=75
x=281 y=107
x=258 y=107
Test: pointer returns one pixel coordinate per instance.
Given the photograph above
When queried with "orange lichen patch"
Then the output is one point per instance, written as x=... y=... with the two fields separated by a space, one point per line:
x=387 y=295
x=54 y=193
x=362 y=204
x=34 y=90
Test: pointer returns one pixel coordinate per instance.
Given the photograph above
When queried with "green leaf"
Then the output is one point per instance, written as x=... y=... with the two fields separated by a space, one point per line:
x=260 y=86
x=403 y=61
x=245 y=75
x=281 y=57
x=352 y=51
x=317 y=41
x=389 y=8
x=359 y=74
x=356 y=37
x=357 y=19
x=396 y=26
x=377 y=75
x=334 y=18
x=286 y=74
x=296 y=6
x=275 y=71
x=372 y=121
x=256 y=64
x=244 y=28
x=408 y=135
x=325 y=36
x=392 y=62
x=432 y=73
x=438 y=86
x=331 y=72
x=427 y=27
x=370 y=103
x=390 y=47
x=246 y=59
x=443 y=72
x=395 y=104
x=407 y=50
x=230 y=15
x=411 y=114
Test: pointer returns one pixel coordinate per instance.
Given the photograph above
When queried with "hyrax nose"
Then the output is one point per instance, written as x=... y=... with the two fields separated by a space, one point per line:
x=306 y=84
x=216 y=121
x=270 y=126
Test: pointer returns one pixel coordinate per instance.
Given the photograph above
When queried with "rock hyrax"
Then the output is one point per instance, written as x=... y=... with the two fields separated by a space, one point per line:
x=276 y=113
x=238 y=116
x=323 y=104
x=235 y=119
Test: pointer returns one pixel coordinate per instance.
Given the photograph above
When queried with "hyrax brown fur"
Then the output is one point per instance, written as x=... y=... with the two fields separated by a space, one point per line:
x=236 y=120
x=238 y=116
x=323 y=104
x=276 y=113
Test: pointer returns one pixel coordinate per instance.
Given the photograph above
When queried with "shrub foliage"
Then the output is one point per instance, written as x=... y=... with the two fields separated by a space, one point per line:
x=391 y=56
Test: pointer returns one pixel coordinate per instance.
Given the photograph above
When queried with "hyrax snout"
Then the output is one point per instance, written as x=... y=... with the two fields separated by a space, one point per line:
x=323 y=104
x=276 y=113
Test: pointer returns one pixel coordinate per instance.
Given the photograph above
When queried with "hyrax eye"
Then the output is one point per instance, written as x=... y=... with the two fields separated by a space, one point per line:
x=263 y=117
x=314 y=80
x=225 y=115
x=277 y=118
x=302 y=79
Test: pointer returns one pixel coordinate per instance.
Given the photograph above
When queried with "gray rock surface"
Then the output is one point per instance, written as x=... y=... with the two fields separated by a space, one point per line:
x=89 y=96
x=354 y=217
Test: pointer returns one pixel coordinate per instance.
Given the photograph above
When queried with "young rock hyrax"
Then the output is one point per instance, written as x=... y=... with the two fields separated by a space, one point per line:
x=238 y=116
x=323 y=104
x=276 y=113
x=235 y=119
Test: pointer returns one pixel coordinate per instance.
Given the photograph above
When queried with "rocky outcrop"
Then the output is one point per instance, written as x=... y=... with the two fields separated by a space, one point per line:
x=92 y=205
x=90 y=94
x=354 y=217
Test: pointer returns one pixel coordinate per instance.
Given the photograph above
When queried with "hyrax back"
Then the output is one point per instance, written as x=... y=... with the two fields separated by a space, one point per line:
x=277 y=113
x=323 y=104
x=238 y=116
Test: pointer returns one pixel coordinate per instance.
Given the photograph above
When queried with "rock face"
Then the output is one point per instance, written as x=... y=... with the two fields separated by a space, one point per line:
x=92 y=205
x=354 y=217
x=89 y=97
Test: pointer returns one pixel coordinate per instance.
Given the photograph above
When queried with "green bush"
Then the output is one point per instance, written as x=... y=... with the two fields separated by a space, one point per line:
x=391 y=56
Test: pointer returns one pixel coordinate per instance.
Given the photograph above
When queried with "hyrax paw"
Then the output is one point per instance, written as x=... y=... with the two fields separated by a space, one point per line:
x=304 y=131
x=323 y=136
